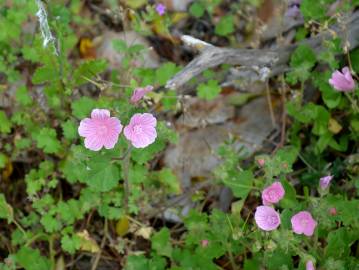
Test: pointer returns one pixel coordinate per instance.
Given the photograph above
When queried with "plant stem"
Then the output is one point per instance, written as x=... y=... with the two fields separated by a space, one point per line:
x=19 y=226
x=125 y=168
x=103 y=241
x=51 y=250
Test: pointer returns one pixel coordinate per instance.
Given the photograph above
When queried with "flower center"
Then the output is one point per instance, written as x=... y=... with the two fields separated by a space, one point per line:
x=137 y=129
x=102 y=130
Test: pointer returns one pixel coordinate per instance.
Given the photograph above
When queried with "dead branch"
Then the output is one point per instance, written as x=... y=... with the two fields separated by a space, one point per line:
x=261 y=59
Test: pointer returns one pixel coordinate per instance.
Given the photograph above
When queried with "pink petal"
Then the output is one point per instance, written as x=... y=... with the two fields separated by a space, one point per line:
x=148 y=119
x=115 y=124
x=128 y=132
x=93 y=143
x=100 y=114
x=110 y=141
x=87 y=127
x=267 y=218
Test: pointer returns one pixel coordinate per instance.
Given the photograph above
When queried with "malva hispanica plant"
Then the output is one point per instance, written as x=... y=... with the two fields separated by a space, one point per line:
x=91 y=178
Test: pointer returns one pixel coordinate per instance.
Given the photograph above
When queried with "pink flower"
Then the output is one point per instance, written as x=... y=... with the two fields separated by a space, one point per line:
x=342 y=81
x=161 y=9
x=267 y=218
x=303 y=223
x=309 y=266
x=139 y=93
x=204 y=243
x=273 y=194
x=261 y=162
x=100 y=130
x=325 y=181
x=333 y=211
x=141 y=130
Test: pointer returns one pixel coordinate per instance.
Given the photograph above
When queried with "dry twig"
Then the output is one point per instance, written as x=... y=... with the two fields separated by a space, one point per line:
x=260 y=59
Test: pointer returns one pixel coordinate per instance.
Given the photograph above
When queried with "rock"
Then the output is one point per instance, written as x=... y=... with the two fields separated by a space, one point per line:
x=201 y=113
x=195 y=153
x=176 y=5
x=105 y=50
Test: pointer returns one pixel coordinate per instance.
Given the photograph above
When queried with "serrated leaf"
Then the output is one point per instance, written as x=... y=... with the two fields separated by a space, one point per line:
x=209 y=90
x=50 y=223
x=82 y=107
x=102 y=175
x=240 y=183
x=44 y=74
x=30 y=259
x=5 y=124
x=161 y=243
x=197 y=9
x=165 y=72
x=22 y=96
x=46 y=140
x=88 y=70
x=69 y=129
x=70 y=244
x=169 y=179
x=225 y=26
x=6 y=211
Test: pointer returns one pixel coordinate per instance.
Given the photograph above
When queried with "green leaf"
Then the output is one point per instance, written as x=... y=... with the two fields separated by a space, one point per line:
x=102 y=175
x=119 y=45
x=5 y=124
x=88 y=70
x=69 y=129
x=225 y=26
x=46 y=140
x=240 y=183
x=339 y=242
x=354 y=56
x=30 y=259
x=169 y=180
x=209 y=90
x=44 y=74
x=302 y=61
x=3 y=160
x=50 y=223
x=6 y=211
x=22 y=96
x=196 y=9
x=136 y=262
x=70 y=244
x=165 y=72
x=289 y=200
x=278 y=260
x=161 y=243
x=330 y=97
x=313 y=9
x=82 y=107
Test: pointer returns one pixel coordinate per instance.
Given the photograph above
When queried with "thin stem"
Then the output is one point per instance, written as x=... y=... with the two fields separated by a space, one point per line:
x=269 y=101
x=240 y=185
x=353 y=102
x=305 y=162
x=51 y=250
x=125 y=168
x=103 y=241
x=231 y=259
x=19 y=226
x=37 y=236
